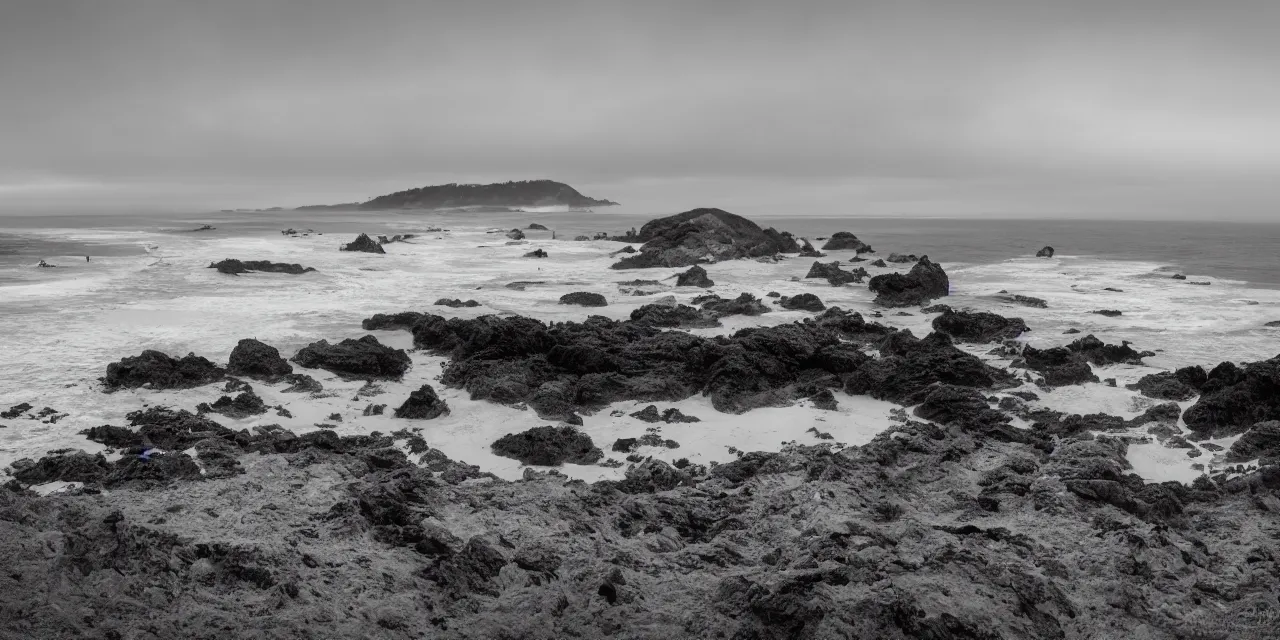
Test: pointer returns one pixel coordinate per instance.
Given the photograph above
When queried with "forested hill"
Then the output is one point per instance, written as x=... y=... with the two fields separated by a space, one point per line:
x=526 y=193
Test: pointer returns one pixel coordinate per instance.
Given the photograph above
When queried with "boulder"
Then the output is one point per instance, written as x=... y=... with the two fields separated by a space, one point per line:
x=244 y=405
x=845 y=241
x=533 y=226
x=581 y=238
x=1180 y=385
x=1046 y=252
x=824 y=400
x=1068 y=365
x=834 y=275
x=926 y=281
x=903 y=258
x=1262 y=440
x=744 y=305
x=879 y=262
x=302 y=383
x=802 y=302
x=978 y=326
x=363 y=358
x=1233 y=398
x=536 y=253
x=1110 y=313
x=236 y=267
x=364 y=243
x=584 y=299
x=696 y=276
x=256 y=359
x=456 y=303
x=674 y=316
x=515 y=234
x=422 y=404
x=807 y=251
x=703 y=235
x=548 y=446
x=159 y=371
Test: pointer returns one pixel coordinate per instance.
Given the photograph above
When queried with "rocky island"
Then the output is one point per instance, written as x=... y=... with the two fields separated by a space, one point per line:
x=501 y=196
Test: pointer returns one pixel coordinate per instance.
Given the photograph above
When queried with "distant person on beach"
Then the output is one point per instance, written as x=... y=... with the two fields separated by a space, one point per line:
x=86 y=258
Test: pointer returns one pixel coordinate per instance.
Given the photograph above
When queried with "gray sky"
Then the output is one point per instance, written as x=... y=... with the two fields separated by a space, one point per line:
x=1130 y=108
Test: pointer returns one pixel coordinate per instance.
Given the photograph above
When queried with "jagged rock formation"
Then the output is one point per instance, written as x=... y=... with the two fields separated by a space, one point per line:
x=803 y=302
x=834 y=275
x=363 y=358
x=903 y=258
x=244 y=405
x=159 y=371
x=845 y=241
x=584 y=299
x=422 y=404
x=236 y=267
x=525 y=193
x=1233 y=398
x=696 y=276
x=364 y=243
x=926 y=281
x=1183 y=384
x=807 y=250
x=1261 y=442
x=257 y=360
x=1067 y=365
x=674 y=316
x=745 y=305
x=703 y=235
x=978 y=326
x=548 y=446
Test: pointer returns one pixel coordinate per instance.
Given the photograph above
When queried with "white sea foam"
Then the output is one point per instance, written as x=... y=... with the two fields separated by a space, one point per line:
x=62 y=333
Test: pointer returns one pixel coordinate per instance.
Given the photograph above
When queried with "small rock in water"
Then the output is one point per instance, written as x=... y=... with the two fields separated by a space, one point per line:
x=1179 y=276
x=456 y=303
x=696 y=276
x=584 y=299
x=364 y=243
x=1110 y=313
x=536 y=253
x=1046 y=252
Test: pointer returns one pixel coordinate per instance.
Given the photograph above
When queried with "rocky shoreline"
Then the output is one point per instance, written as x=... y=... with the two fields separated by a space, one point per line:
x=976 y=515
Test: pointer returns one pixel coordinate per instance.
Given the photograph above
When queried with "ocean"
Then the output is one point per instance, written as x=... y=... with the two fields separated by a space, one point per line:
x=146 y=286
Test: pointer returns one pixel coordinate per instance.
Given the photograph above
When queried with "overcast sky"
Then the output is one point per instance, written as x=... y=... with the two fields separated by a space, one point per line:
x=1118 y=108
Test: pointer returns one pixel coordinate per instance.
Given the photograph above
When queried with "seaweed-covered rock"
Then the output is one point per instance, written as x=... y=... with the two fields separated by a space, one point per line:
x=584 y=299
x=834 y=275
x=422 y=404
x=455 y=303
x=363 y=358
x=1233 y=398
x=703 y=235
x=845 y=241
x=696 y=276
x=926 y=281
x=978 y=326
x=257 y=360
x=364 y=243
x=160 y=371
x=548 y=446
x=803 y=302
x=237 y=267
x=1046 y=252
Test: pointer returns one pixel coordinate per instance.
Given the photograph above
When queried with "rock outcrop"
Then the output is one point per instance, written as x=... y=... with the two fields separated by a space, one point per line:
x=807 y=250
x=584 y=299
x=1179 y=385
x=1026 y=301
x=363 y=358
x=536 y=253
x=703 y=235
x=834 y=275
x=1068 y=365
x=364 y=243
x=533 y=226
x=157 y=370
x=422 y=404
x=744 y=305
x=1046 y=252
x=455 y=303
x=845 y=241
x=1234 y=398
x=674 y=316
x=802 y=302
x=978 y=326
x=548 y=446
x=502 y=196
x=236 y=267
x=903 y=258
x=244 y=405
x=696 y=276
x=925 y=282
x=256 y=359
x=1260 y=442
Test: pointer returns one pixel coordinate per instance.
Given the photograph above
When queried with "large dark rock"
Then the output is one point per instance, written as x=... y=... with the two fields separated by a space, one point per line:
x=257 y=360
x=1068 y=365
x=1026 y=301
x=908 y=366
x=1234 y=398
x=803 y=302
x=422 y=404
x=834 y=275
x=62 y=466
x=903 y=258
x=244 y=405
x=455 y=303
x=978 y=326
x=536 y=253
x=703 y=235
x=236 y=267
x=1182 y=384
x=1262 y=440
x=548 y=446
x=584 y=299
x=1046 y=252
x=845 y=241
x=159 y=371
x=364 y=243
x=363 y=358
x=696 y=276
x=744 y=305
x=533 y=226
x=808 y=251
x=926 y=281
x=674 y=316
